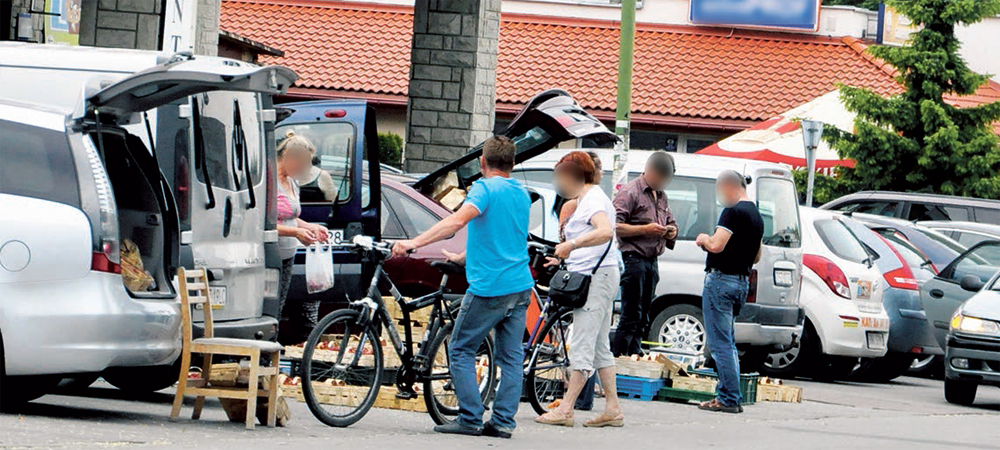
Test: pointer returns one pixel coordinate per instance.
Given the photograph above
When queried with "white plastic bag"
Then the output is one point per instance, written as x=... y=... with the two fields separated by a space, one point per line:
x=319 y=268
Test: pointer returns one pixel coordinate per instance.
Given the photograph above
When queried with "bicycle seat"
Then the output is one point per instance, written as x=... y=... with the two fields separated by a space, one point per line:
x=448 y=267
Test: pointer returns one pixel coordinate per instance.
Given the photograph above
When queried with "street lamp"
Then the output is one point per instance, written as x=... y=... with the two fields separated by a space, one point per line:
x=812 y=130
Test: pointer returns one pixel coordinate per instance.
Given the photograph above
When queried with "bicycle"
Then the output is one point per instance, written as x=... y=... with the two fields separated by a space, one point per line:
x=546 y=358
x=343 y=363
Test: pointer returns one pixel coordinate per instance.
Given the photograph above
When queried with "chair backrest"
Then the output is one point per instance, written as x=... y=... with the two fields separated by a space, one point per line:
x=193 y=287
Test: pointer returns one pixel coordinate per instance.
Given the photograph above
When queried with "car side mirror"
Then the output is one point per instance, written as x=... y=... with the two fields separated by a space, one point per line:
x=971 y=283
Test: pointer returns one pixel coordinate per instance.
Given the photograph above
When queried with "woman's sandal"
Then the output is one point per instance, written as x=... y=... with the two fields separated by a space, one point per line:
x=606 y=420
x=556 y=418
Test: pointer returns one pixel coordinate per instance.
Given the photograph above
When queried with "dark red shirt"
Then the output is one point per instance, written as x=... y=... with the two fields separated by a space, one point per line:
x=638 y=204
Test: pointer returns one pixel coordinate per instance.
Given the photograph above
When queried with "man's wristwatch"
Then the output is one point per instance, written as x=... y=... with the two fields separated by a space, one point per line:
x=573 y=243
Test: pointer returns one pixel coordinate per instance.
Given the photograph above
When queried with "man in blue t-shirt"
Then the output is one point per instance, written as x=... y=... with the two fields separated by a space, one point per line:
x=496 y=266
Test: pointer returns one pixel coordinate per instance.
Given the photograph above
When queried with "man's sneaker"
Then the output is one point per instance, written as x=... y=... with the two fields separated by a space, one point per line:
x=457 y=428
x=716 y=405
x=492 y=431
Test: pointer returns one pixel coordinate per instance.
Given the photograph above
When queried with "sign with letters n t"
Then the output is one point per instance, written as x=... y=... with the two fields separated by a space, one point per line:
x=178 y=26
x=797 y=15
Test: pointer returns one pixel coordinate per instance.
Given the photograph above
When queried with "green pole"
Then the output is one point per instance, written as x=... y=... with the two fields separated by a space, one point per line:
x=623 y=113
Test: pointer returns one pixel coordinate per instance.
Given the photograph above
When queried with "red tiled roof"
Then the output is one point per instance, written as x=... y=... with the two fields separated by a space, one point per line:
x=681 y=72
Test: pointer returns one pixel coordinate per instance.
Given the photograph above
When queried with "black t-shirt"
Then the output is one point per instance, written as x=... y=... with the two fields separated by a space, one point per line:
x=744 y=221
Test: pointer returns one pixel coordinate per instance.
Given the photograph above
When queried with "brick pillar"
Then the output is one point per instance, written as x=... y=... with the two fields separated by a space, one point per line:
x=206 y=28
x=452 y=88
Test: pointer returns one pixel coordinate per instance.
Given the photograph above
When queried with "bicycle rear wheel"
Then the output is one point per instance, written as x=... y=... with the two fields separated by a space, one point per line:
x=341 y=369
x=548 y=377
x=439 y=392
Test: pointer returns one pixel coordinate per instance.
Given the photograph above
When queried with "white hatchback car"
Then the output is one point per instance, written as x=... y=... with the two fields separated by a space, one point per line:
x=845 y=319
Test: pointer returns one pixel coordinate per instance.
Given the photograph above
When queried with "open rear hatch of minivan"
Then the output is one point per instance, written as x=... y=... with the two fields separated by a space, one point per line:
x=550 y=118
x=147 y=216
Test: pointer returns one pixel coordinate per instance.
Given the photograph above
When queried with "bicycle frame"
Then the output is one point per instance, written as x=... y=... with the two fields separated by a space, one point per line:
x=532 y=346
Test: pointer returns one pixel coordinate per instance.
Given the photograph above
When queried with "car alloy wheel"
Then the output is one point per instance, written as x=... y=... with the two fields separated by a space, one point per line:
x=684 y=332
x=783 y=360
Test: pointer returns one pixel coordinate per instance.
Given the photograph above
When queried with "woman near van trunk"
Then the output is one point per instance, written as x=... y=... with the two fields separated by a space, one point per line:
x=590 y=238
x=295 y=155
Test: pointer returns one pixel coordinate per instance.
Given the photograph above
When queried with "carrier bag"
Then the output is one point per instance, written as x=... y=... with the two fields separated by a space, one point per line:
x=319 y=268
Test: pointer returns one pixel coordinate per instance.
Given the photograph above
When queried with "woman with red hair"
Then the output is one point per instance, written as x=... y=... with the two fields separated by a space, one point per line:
x=589 y=239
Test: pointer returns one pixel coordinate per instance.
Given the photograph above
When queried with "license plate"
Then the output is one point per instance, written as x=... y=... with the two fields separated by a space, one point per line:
x=864 y=289
x=876 y=341
x=216 y=297
x=872 y=322
x=336 y=237
x=782 y=277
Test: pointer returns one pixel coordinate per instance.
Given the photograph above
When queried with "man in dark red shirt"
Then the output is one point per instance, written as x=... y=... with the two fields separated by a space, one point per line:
x=645 y=227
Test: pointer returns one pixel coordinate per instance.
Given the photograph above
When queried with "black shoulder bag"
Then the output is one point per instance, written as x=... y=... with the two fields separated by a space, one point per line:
x=570 y=289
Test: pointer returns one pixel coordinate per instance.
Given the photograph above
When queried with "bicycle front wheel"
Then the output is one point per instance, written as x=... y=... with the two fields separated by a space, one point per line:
x=548 y=376
x=439 y=390
x=341 y=369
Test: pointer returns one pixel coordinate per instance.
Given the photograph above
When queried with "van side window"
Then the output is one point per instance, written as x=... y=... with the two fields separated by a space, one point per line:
x=777 y=202
x=692 y=200
x=37 y=162
x=930 y=211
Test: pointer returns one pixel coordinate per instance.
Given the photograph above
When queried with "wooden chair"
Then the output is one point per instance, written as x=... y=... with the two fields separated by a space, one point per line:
x=193 y=286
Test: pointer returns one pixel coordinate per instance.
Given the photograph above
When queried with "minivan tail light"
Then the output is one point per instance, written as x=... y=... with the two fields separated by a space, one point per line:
x=100 y=263
x=752 y=290
x=830 y=273
x=100 y=207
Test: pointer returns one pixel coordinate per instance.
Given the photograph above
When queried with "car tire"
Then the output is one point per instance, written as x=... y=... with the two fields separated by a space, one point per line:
x=833 y=368
x=928 y=367
x=143 y=380
x=960 y=392
x=795 y=360
x=682 y=326
x=883 y=370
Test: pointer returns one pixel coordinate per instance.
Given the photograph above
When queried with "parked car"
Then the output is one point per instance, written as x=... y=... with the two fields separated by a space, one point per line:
x=914 y=206
x=939 y=249
x=772 y=317
x=75 y=187
x=956 y=283
x=973 y=343
x=222 y=185
x=842 y=298
x=910 y=334
x=965 y=233
x=342 y=130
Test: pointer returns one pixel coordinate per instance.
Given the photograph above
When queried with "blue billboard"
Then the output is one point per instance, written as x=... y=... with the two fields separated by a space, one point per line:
x=801 y=15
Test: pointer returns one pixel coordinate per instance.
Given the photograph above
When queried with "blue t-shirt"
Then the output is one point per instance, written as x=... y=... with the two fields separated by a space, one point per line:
x=496 y=260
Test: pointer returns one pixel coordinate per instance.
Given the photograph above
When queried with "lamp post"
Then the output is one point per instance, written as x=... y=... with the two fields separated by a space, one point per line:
x=812 y=130
x=623 y=110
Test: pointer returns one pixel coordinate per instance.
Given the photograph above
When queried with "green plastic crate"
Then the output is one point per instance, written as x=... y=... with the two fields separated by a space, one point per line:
x=748 y=383
x=667 y=394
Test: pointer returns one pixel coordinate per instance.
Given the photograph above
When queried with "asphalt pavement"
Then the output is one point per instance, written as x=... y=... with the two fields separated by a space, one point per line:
x=910 y=413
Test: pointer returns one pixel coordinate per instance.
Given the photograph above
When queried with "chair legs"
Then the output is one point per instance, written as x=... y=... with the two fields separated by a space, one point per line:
x=182 y=381
x=272 y=391
x=206 y=373
x=252 y=387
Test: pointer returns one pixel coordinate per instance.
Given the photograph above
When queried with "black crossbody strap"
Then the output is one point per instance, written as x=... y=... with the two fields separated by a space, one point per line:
x=605 y=254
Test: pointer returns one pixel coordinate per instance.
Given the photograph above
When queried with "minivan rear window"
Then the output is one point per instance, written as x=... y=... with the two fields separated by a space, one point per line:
x=779 y=207
x=335 y=144
x=37 y=162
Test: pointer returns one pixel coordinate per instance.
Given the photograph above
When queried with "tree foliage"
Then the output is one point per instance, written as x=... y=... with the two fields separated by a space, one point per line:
x=390 y=149
x=915 y=141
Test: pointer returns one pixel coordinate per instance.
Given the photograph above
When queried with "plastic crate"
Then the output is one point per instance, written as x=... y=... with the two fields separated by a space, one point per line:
x=667 y=394
x=644 y=389
x=748 y=383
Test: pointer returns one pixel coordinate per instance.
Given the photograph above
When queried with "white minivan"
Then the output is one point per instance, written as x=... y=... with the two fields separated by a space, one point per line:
x=216 y=152
x=772 y=317
x=75 y=183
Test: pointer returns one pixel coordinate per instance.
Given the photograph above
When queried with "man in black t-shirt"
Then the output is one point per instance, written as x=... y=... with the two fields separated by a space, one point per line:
x=732 y=251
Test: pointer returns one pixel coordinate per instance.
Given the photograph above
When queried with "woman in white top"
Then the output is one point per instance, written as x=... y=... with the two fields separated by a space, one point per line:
x=590 y=242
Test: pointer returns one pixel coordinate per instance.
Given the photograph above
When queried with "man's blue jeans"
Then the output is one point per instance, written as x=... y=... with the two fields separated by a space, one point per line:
x=479 y=315
x=722 y=298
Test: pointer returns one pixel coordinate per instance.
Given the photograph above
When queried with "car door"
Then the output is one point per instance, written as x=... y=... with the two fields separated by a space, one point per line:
x=943 y=294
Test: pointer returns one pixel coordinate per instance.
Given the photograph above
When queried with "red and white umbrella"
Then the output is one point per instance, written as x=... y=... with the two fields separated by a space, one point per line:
x=779 y=139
